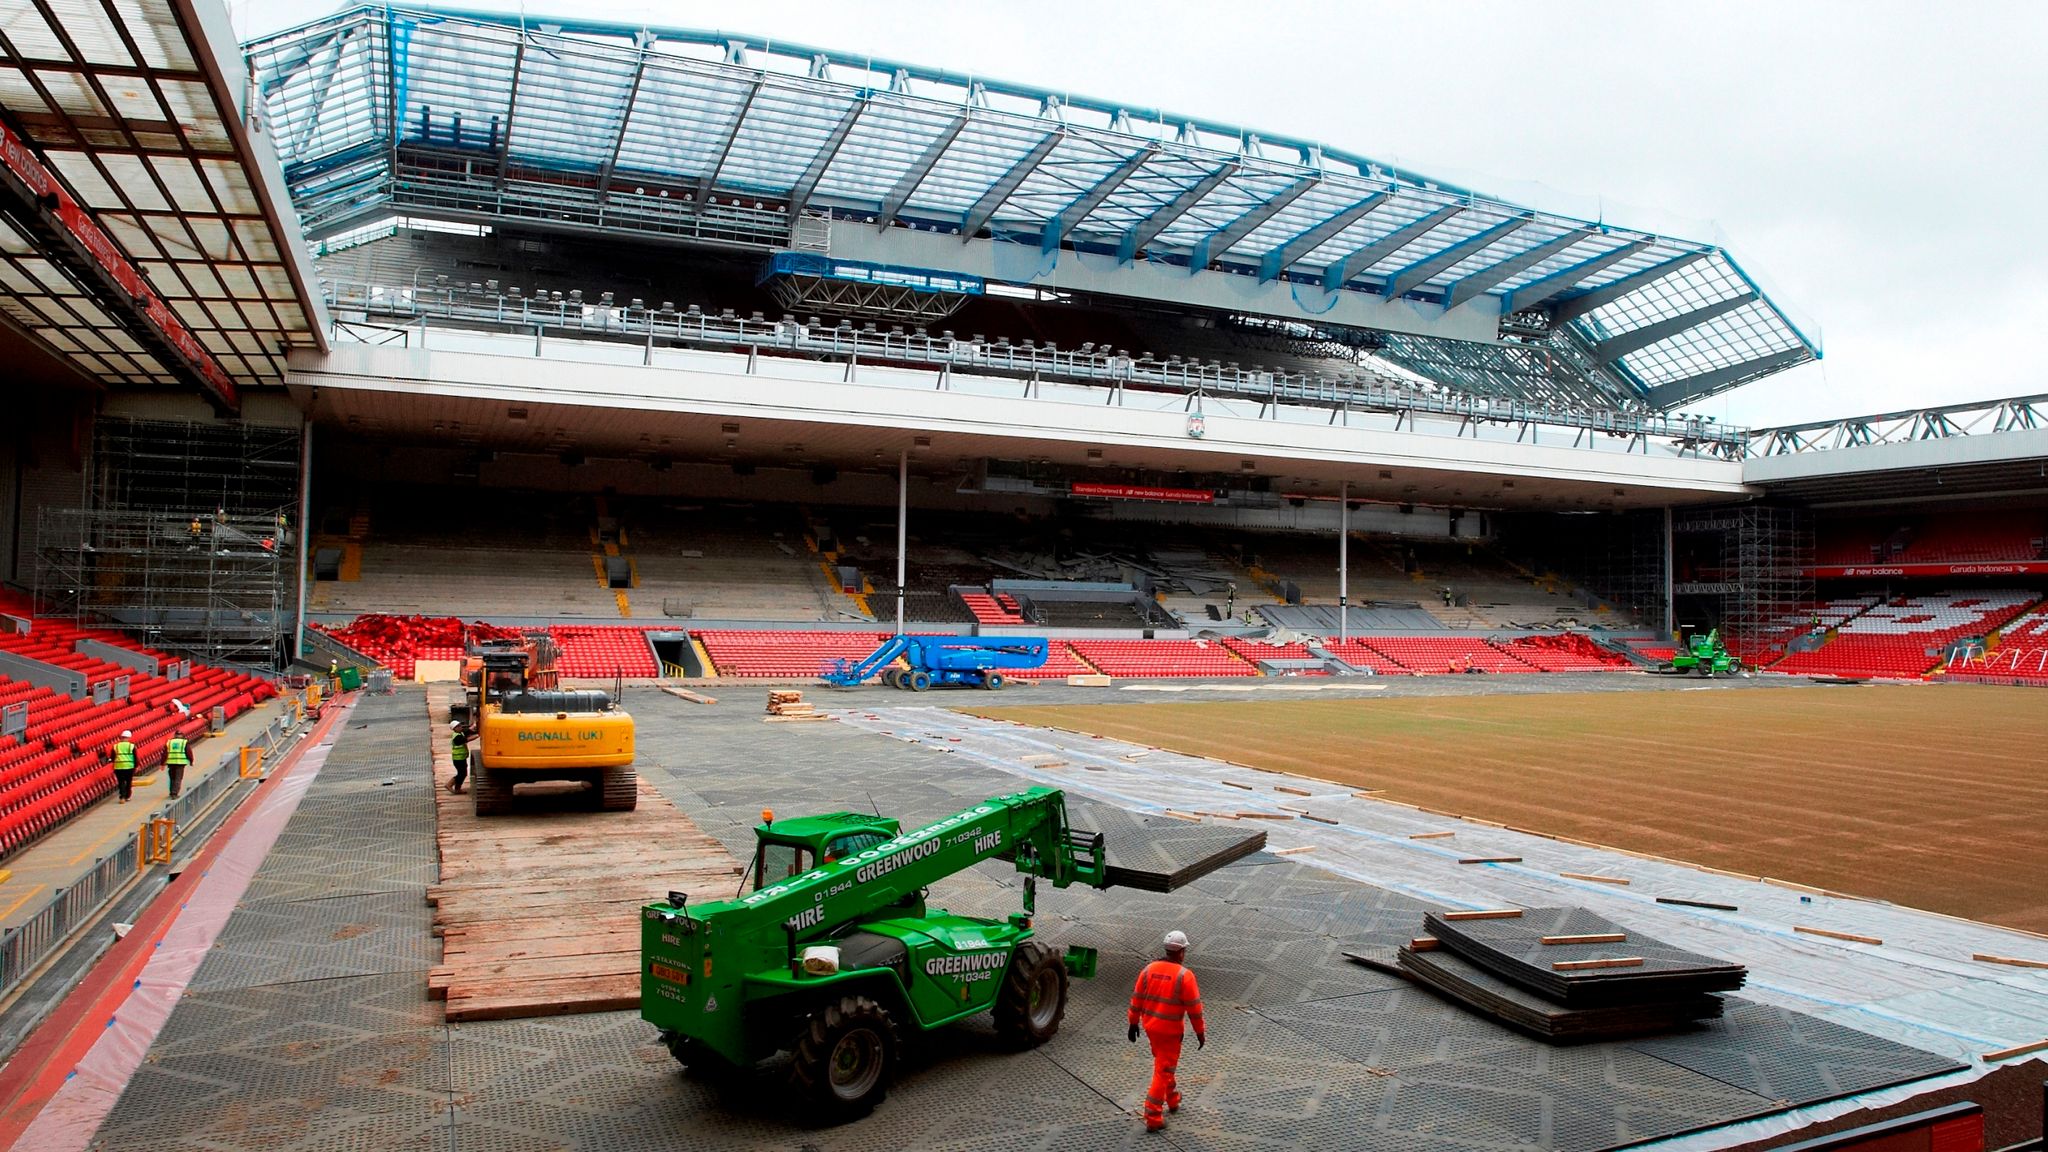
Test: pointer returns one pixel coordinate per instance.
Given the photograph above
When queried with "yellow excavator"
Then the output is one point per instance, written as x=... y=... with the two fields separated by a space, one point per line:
x=528 y=729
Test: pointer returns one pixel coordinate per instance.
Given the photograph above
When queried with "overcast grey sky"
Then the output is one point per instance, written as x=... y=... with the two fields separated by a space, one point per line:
x=1879 y=167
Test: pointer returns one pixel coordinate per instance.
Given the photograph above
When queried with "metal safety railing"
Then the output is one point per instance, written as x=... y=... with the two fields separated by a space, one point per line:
x=24 y=948
x=412 y=307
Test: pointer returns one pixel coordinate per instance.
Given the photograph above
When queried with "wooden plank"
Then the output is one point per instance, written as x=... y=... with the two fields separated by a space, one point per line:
x=1588 y=938
x=1587 y=965
x=1851 y=937
x=1318 y=819
x=1294 y=851
x=522 y=932
x=1697 y=904
x=1291 y=790
x=1485 y=914
x=1264 y=816
x=1235 y=784
x=1424 y=944
x=1491 y=860
x=1179 y=815
x=1367 y=793
x=2016 y=1050
x=686 y=694
x=1431 y=835
x=1594 y=878
x=2013 y=961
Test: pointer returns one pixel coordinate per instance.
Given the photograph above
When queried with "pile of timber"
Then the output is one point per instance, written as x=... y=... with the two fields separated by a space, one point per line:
x=788 y=704
x=539 y=912
x=1564 y=975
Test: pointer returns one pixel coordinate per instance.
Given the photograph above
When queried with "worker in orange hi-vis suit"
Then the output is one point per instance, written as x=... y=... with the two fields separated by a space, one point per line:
x=1166 y=992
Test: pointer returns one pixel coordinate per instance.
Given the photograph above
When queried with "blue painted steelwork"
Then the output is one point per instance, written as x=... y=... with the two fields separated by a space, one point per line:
x=861 y=272
x=707 y=137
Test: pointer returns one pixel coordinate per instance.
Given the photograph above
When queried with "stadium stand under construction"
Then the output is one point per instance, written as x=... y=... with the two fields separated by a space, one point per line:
x=689 y=367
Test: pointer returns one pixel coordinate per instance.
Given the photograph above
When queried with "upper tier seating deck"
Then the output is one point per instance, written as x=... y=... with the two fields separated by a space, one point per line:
x=1904 y=637
x=1953 y=538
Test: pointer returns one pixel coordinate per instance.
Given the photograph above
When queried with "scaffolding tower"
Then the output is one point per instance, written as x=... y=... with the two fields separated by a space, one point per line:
x=195 y=466
x=1763 y=591
x=211 y=587
x=189 y=540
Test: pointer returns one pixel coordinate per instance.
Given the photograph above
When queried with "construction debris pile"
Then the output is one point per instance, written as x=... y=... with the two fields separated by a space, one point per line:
x=1564 y=975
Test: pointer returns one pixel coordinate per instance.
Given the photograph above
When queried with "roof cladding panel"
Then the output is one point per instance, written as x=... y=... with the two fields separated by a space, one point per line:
x=788 y=129
x=137 y=187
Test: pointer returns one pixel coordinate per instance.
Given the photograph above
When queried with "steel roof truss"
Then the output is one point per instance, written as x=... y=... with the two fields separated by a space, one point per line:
x=1340 y=272
x=1276 y=260
x=1216 y=243
x=800 y=192
x=906 y=185
x=1466 y=287
x=732 y=136
x=1540 y=291
x=1579 y=303
x=1635 y=339
x=1417 y=274
x=1666 y=396
x=1068 y=218
x=991 y=201
x=1150 y=227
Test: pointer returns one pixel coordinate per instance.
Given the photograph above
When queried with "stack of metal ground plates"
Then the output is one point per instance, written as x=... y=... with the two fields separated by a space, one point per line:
x=1565 y=974
x=1160 y=853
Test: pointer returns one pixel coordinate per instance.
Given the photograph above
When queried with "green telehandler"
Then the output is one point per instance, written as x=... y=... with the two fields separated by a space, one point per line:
x=1705 y=655
x=834 y=956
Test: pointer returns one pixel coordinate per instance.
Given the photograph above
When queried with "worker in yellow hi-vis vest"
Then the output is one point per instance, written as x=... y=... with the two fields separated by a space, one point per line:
x=123 y=757
x=177 y=757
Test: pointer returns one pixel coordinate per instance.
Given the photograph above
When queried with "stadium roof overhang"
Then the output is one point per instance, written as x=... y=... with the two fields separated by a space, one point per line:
x=618 y=409
x=145 y=234
x=1977 y=452
x=700 y=137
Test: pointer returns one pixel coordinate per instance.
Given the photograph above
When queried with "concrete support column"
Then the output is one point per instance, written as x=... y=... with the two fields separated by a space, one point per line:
x=305 y=531
x=1670 y=599
x=902 y=530
x=1344 y=562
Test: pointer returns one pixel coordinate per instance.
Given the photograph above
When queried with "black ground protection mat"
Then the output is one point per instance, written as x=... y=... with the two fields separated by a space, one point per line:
x=1514 y=949
x=1160 y=853
x=1444 y=971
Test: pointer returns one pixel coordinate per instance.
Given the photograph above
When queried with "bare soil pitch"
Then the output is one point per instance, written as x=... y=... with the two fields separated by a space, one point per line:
x=1932 y=797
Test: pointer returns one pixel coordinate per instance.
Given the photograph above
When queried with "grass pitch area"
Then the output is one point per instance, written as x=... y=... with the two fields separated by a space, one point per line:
x=1932 y=797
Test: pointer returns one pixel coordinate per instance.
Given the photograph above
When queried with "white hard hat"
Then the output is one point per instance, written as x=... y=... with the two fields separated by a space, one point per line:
x=456 y=724
x=1177 y=940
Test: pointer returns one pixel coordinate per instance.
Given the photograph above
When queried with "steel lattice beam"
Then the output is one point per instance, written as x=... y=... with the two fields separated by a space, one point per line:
x=1276 y=260
x=1417 y=274
x=906 y=185
x=1216 y=243
x=1066 y=219
x=1466 y=287
x=1340 y=272
x=1635 y=339
x=991 y=202
x=1148 y=229
x=1540 y=291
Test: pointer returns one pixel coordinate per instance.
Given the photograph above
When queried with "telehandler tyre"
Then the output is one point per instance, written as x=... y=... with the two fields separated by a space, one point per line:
x=844 y=1059
x=1034 y=997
